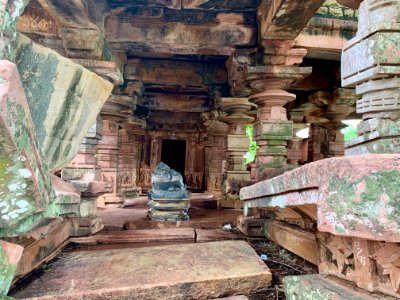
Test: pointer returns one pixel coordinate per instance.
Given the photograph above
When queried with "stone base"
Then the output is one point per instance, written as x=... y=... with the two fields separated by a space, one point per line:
x=234 y=204
x=318 y=287
x=185 y=271
x=85 y=226
x=250 y=226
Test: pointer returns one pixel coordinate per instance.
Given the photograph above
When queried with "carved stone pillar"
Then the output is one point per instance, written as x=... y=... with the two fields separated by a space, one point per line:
x=370 y=63
x=330 y=109
x=144 y=180
x=215 y=144
x=269 y=82
x=107 y=154
x=128 y=160
x=237 y=143
x=297 y=146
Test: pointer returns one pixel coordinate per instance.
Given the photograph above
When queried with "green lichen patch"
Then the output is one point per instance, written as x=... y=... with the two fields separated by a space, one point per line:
x=296 y=289
x=372 y=202
x=37 y=74
x=7 y=272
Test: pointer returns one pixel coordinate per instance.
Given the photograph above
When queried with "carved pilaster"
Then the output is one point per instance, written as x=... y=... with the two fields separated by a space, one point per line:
x=215 y=152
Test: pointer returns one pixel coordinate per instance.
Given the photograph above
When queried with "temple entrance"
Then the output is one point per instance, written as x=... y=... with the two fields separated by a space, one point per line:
x=173 y=153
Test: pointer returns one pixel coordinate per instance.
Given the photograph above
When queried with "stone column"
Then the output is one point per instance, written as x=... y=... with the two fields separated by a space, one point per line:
x=297 y=146
x=215 y=144
x=331 y=109
x=370 y=63
x=128 y=160
x=269 y=82
x=237 y=144
x=107 y=154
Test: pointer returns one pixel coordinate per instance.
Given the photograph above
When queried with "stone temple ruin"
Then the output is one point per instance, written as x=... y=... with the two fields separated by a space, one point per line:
x=95 y=94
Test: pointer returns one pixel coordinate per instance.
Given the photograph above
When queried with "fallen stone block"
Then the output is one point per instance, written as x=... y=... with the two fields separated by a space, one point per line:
x=25 y=187
x=193 y=271
x=64 y=99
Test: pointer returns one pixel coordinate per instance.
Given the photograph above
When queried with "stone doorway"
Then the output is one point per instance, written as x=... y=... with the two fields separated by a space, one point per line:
x=173 y=153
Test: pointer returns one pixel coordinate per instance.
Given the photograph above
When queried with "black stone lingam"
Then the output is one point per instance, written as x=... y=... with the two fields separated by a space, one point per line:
x=168 y=198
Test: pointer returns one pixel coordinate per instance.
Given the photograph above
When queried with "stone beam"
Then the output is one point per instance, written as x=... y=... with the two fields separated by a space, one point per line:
x=169 y=72
x=81 y=36
x=171 y=118
x=357 y=198
x=177 y=102
x=324 y=38
x=231 y=5
x=189 y=32
x=285 y=19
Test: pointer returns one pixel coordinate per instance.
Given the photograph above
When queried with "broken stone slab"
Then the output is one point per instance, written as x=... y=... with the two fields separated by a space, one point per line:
x=10 y=255
x=25 y=187
x=185 y=271
x=319 y=287
x=64 y=99
x=356 y=197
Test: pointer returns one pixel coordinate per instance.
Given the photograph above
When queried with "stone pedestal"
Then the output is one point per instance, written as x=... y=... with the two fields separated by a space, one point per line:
x=370 y=63
x=168 y=198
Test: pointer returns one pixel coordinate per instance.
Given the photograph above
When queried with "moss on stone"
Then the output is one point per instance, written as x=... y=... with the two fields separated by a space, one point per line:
x=37 y=73
x=7 y=272
x=381 y=194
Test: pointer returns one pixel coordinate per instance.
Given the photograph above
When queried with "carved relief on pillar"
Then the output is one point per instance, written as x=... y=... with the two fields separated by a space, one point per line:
x=372 y=265
x=129 y=156
x=37 y=20
x=194 y=181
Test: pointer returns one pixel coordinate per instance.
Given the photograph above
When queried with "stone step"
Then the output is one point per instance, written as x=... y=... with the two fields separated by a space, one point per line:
x=140 y=236
x=185 y=271
x=168 y=235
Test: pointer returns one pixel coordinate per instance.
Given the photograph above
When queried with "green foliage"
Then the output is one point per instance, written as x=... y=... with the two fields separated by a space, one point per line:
x=250 y=155
x=350 y=132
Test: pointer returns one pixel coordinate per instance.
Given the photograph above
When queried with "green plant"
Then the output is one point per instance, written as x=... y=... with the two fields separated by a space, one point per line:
x=250 y=155
x=350 y=132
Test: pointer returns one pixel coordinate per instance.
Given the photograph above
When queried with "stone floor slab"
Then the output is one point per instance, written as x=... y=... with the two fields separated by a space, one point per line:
x=186 y=271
